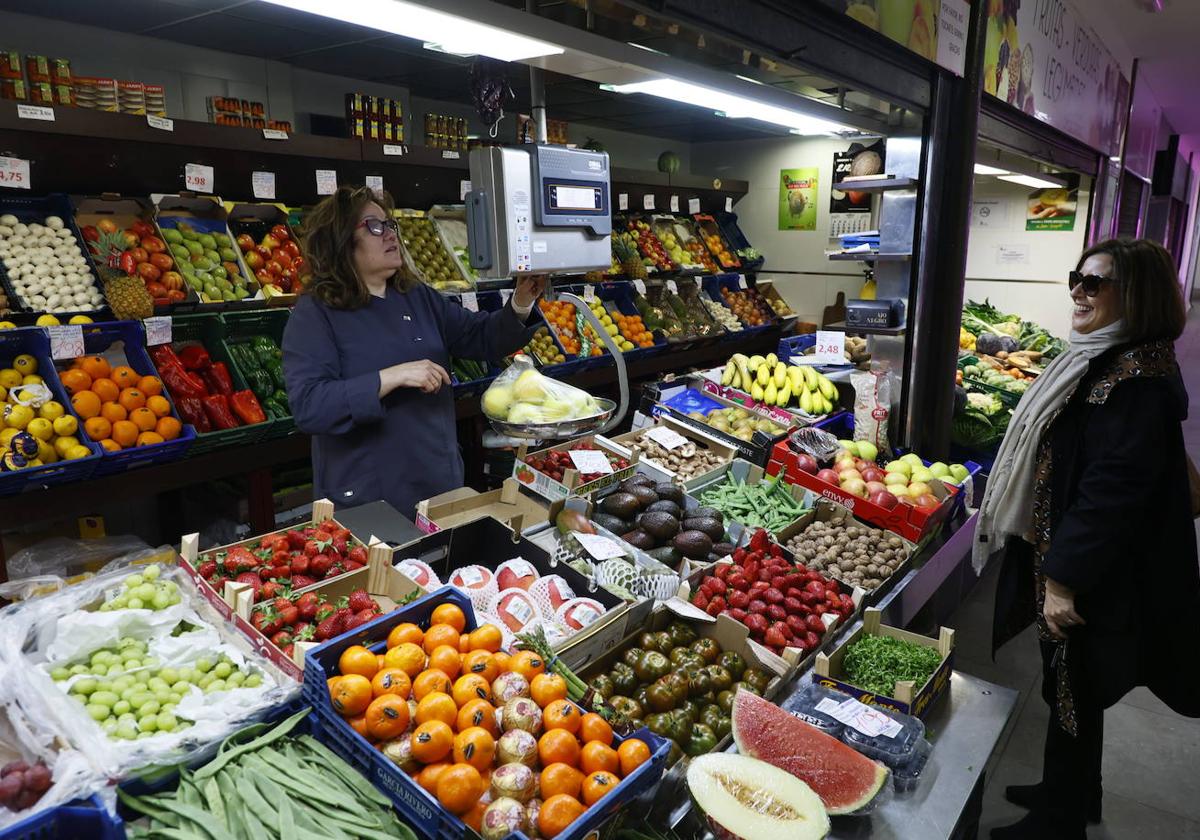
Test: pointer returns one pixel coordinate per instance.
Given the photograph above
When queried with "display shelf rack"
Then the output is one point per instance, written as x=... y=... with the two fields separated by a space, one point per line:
x=879 y=184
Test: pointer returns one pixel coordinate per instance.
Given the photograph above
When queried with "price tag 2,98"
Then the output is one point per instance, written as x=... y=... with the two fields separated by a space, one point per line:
x=66 y=341
x=830 y=348
x=198 y=177
x=14 y=173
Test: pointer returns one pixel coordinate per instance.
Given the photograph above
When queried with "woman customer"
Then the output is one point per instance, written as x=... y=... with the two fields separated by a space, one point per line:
x=1089 y=499
x=366 y=354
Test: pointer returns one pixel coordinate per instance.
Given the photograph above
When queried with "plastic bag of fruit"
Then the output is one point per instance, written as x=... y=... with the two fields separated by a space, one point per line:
x=522 y=394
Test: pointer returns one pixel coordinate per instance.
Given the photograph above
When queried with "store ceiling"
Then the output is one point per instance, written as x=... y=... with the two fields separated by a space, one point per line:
x=260 y=29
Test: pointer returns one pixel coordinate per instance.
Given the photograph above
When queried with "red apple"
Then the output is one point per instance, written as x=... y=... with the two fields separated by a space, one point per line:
x=806 y=463
x=926 y=502
x=254 y=260
x=873 y=474
x=843 y=464
x=855 y=487
x=874 y=487
x=884 y=499
x=246 y=242
x=846 y=475
x=828 y=476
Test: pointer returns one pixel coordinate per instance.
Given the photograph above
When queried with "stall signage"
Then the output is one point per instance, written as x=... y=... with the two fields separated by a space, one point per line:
x=830 y=348
x=161 y=123
x=693 y=206
x=274 y=134
x=263 y=185
x=1044 y=59
x=590 y=461
x=448 y=154
x=674 y=204
x=648 y=202
x=66 y=341
x=326 y=181
x=728 y=204
x=929 y=29
x=390 y=149
x=666 y=438
x=14 y=173
x=470 y=302
x=35 y=112
x=374 y=183
x=589 y=293
x=198 y=177
x=599 y=546
x=623 y=201
x=158 y=330
x=640 y=285
x=464 y=187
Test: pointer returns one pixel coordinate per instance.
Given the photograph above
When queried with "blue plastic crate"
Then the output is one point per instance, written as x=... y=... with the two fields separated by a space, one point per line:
x=728 y=222
x=36 y=209
x=794 y=345
x=97 y=338
x=33 y=340
x=84 y=818
x=691 y=401
x=620 y=294
x=715 y=283
x=413 y=802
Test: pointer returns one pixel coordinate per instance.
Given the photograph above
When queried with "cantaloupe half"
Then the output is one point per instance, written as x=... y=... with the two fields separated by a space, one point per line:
x=749 y=799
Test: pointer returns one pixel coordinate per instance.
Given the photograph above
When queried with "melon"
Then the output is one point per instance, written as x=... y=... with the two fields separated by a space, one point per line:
x=668 y=162
x=742 y=797
x=845 y=780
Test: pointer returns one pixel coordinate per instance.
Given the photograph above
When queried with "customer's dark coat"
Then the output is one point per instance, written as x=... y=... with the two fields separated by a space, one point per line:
x=1121 y=533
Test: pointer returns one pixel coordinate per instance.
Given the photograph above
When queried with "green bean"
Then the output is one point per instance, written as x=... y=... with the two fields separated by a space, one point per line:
x=279 y=731
x=347 y=773
x=212 y=797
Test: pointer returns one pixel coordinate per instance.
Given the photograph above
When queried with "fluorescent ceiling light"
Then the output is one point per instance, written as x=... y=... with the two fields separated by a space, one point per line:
x=981 y=169
x=437 y=30
x=730 y=105
x=1030 y=181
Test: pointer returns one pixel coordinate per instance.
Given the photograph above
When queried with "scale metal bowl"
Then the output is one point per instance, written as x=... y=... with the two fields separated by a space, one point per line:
x=559 y=429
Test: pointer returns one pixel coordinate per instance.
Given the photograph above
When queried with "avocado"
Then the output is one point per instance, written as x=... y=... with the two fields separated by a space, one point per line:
x=693 y=544
x=611 y=523
x=706 y=513
x=638 y=480
x=659 y=524
x=723 y=549
x=714 y=529
x=620 y=505
x=645 y=496
x=639 y=539
x=666 y=555
x=670 y=492
x=666 y=507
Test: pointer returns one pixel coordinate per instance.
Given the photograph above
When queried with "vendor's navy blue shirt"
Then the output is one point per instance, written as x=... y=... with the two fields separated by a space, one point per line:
x=403 y=448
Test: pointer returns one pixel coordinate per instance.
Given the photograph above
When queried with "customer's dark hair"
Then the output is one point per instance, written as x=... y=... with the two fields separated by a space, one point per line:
x=1149 y=287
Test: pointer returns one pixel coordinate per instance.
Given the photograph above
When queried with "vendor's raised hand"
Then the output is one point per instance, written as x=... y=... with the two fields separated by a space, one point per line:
x=529 y=288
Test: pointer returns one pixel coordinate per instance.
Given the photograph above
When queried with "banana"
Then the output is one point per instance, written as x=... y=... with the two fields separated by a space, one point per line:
x=772 y=359
x=828 y=406
x=743 y=377
x=806 y=402
x=764 y=375
x=780 y=375
x=828 y=391
x=755 y=362
x=810 y=378
x=770 y=393
x=727 y=375
x=756 y=391
x=796 y=376
x=785 y=395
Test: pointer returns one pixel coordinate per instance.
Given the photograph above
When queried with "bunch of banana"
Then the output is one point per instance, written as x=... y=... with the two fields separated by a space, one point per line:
x=777 y=383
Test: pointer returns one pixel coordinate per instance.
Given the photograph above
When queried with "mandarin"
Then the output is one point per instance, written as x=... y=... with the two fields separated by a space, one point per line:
x=125 y=376
x=150 y=386
x=428 y=776
x=562 y=714
x=471 y=687
x=158 y=405
x=557 y=813
x=356 y=659
x=475 y=746
x=481 y=662
x=478 y=712
x=168 y=428
x=124 y=433
x=561 y=778
x=406 y=656
x=546 y=688
x=391 y=681
x=597 y=785
x=406 y=632
x=447 y=659
x=596 y=757
x=131 y=398
x=429 y=681
x=486 y=637
x=143 y=418
x=113 y=411
x=432 y=741
x=86 y=404
x=450 y=614
x=106 y=389
x=592 y=727
x=459 y=788
x=632 y=753
x=438 y=635
x=558 y=745
x=387 y=717
x=96 y=367
x=351 y=695
x=437 y=706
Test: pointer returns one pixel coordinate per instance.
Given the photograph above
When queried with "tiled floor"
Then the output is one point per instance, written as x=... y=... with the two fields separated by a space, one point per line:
x=1151 y=755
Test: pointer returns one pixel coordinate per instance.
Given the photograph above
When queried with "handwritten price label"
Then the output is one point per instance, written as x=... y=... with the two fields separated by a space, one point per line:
x=14 y=173
x=741 y=281
x=728 y=204
x=666 y=438
x=274 y=134
x=623 y=201
x=674 y=204
x=693 y=206
x=590 y=461
x=158 y=330
x=161 y=123
x=263 y=185
x=198 y=177
x=66 y=341
x=375 y=184
x=672 y=288
x=470 y=302
x=830 y=348
x=589 y=293
x=326 y=181
x=599 y=546
x=449 y=155
x=647 y=202
x=640 y=285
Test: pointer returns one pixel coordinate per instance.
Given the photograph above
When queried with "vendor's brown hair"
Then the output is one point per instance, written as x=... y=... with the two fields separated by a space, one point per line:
x=1149 y=287
x=329 y=248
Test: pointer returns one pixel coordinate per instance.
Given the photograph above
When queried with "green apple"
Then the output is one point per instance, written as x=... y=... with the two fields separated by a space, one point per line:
x=901 y=467
x=851 y=446
x=939 y=469
x=898 y=490
x=867 y=450
x=912 y=459
x=922 y=475
x=959 y=472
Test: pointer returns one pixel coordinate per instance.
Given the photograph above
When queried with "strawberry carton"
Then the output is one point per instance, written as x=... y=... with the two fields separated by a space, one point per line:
x=456 y=507
x=576 y=469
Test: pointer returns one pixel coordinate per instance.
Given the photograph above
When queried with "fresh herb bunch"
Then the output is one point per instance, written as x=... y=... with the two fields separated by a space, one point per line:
x=877 y=663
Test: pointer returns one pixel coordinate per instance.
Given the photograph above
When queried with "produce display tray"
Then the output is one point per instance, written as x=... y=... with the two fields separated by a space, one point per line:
x=243 y=326
x=84 y=818
x=207 y=215
x=728 y=223
x=618 y=294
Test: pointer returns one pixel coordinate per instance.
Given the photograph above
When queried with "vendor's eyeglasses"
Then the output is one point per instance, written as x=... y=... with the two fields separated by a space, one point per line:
x=1091 y=282
x=375 y=227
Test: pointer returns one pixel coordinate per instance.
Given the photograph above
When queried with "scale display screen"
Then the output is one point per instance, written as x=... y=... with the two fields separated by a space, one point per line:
x=570 y=197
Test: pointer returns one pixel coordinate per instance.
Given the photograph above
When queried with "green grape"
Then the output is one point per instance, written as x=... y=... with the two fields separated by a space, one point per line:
x=97 y=711
x=144 y=592
x=253 y=681
x=141 y=736
x=204 y=664
x=104 y=697
x=235 y=679
x=150 y=661
x=163 y=695
x=180 y=686
x=175 y=697
x=151 y=572
x=114 y=671
x=121 y=707
x=85 y=686
x=223 y=670
x=126 y=731
x=158 y=684
x=148 y=723
x=206 y=680
x=150 y=707
x=140 y=698
x=127 y=717
x=142 y=677
x=215 y=685
x=167 y=707
x=78 y=669
x=133 y=663
x=166 y=722
x=123 y=682
x=60 y=673
x=136 y=604
x=161 y=601
x=133 y=580
x=109 y=725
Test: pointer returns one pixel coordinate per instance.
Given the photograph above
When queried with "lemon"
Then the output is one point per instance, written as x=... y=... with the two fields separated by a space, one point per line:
x=7 y=325
x=3 y=394
x=33 y=379
x=25 y=364
x=34 y=462
x=48 y=321
x=80 y=319
x=61 y=445
x=40 y=428
x=52 y=411
x=26 y=396
x=65 y=424
x=9 y=378
x=6 y=436
x=76 y=452
x=46 y=453
x=17 y=416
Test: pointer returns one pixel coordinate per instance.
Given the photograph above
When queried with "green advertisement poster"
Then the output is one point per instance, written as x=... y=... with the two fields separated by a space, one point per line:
x=798 y=198
x=1051 y=209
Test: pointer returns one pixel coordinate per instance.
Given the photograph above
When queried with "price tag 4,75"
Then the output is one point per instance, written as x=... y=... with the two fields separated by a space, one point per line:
x=14 y=173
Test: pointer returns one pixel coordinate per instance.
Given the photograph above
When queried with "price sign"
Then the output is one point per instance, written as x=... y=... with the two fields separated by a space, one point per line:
x=589 y=293
x=198 y=177
x=66 y=341
x=390 y=149
x=274 y=134
x=161 y=123
x=647 y=202
x=693 y=206
x=728 y=204
x=14 y=173
x=35 y=112
x=666 y=438
x=158 y=330
x=590 y=461
x=464 y=187
x=830 y=348
x=741 y=281
x=263 y=185
x=672 y=288
x=449 y=155
x=640 y=285
x=470 y=302
x=869 y=721
x=674 y=204
x=623 y=201
x=599 y=546
x=375 y=183
x=326 y=181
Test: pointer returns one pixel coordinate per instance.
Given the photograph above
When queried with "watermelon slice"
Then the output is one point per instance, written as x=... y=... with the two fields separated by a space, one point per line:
x=845 y=780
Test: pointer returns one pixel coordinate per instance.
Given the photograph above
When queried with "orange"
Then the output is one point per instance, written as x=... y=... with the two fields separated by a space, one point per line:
x=391 y=681
x=125 y=376
x=475 y=746
x=428 y=776
x=459 y=788
x=438 y=635
x=351 y=695
x=124 y=433
x=632 y=754
x=113 y=411
x=406 y=632
x=75 y=380
x=560 y=778
x=150 y=385
x=562 y=714
x=527 y=663
x=592 y=727
x=407 y=657
x=449 y=614
x=86 y=404
x=596 y=756
x=501 y=659
x=596 y=785
x=158 y=404
x=356 y=659
x=477 y=713
x=143 y=418
x=387 y=717
x=429 y=681
x=556 y=814
x=558 y=745
x=359 y=724
x=96 y=367
x=110 y=445
x=437 y=706
x=131 y=398
x=464 y=642
x=378 y=662
x=432 y=741
x=486 y=637
x=471 y=687
x=474 y=817
x=149 y=438
x=546 y=688
x=481 y=662
x=447 y=659
x=169 y=428
x=106 y=389
x=97 y=428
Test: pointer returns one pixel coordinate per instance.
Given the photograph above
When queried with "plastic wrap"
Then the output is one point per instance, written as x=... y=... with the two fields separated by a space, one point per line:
x=522 y=394
x=872 y=407
x=65 y=558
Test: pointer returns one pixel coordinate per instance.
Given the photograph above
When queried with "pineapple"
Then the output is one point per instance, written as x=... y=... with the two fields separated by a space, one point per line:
x=627 y=255
x=126 y=293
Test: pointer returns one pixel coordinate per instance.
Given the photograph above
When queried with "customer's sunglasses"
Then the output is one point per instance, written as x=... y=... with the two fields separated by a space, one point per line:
x=375 y=227
x=1091 y=282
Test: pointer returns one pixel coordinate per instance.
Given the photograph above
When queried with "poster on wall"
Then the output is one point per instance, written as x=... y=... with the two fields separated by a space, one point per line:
x=850 y=210
x=798 y=198
x=1051 y=209
x=1043 y=58
x=933 y=29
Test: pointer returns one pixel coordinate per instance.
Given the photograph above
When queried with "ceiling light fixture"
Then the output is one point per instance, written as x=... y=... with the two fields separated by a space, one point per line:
x=983 y=169
x=1031 y=181
x=436 y=30
x=730 y=105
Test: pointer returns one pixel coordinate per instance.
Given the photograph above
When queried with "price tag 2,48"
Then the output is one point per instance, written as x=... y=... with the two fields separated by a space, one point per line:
x=66 y=341
x=198 y=177
x=830 y=348
x=158 y=330
x=14 y=173
x=590 y=461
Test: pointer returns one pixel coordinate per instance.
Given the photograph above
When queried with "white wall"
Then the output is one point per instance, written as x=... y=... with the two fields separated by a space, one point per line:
x=759 y=162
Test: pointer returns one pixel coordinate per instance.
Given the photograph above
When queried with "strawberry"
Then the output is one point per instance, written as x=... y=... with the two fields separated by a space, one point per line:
x=351 y=566
x=360 y=618
x=336 y=569
x=281 y=571
x=307 y=605
x=358 y=554
x=323 y=612
x=243 y=557
x=327 y=629
x=314 y=547
x=281 y=558
x=271 y=589
x=304 y=633
x=338 y=544
x=329 y=527
x=281 y=639
x=301 y=581
x=295 y=540
x=341 y=617
x=207 y=569
x=289 y=650
x=360 y=600
x=318 y=565
x=266 y=621
x=300 y=565
x=253 y=580
x=290 y=615
x=231 y=564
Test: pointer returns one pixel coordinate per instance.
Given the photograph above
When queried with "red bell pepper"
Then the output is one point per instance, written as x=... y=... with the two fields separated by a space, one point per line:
x=216 y=377
x=216 y=406
x=194 y=357
x=191 y=409
x=179 y=382
x=245 y=405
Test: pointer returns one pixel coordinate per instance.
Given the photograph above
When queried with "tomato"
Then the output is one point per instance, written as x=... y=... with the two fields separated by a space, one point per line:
x=281 y=233
x=90 y=233
x=107 y=226
x=175 y=295
x=246 y=242
x=148 y=272
x=139 y=255
x=153 y=244
x=156 y=290
x=162 y=262
x=142 y=229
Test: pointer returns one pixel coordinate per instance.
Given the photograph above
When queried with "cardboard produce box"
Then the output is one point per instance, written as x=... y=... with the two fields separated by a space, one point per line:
x=208 y=215
x=750 y=474
x=570 y=485
x=457 y=507
x=908 y=697
x=670 y=432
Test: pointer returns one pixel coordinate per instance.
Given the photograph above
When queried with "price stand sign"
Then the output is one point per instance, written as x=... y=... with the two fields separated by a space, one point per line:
x=14 y=173
x=830 y=348
x=198 y=177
